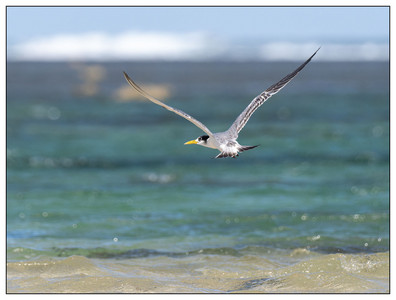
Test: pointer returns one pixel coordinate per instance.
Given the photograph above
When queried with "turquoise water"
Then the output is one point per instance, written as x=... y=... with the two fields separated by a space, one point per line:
x=103 y=179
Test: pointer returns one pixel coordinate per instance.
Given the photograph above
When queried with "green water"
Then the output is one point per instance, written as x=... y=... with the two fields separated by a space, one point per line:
x=93 y=177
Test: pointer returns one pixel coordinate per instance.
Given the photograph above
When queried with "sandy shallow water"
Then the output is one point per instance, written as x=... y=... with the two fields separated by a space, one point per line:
x=305 y=272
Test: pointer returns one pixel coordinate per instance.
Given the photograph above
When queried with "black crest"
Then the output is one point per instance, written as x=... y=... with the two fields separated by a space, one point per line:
x=203 y=138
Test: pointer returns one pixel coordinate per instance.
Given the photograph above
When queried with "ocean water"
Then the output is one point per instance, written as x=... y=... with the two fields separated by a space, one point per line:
x=102 y=195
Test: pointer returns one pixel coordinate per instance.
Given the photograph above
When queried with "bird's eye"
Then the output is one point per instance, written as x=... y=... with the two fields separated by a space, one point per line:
x=199 y=139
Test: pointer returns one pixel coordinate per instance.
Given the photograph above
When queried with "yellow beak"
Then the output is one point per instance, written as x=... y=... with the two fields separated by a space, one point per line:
x=191 y=142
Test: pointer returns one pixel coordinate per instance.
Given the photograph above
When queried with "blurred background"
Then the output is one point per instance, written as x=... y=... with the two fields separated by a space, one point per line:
x=91 y=164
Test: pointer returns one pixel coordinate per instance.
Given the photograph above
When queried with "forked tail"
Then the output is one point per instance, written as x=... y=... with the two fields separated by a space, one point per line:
x=244 y=148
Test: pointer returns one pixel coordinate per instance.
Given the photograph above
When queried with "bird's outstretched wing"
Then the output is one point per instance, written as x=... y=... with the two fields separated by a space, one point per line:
x=176 y=111
x=242 y=119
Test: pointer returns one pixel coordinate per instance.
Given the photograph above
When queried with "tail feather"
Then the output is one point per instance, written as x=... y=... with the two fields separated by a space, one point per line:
x=244 y=148
x=233 y=155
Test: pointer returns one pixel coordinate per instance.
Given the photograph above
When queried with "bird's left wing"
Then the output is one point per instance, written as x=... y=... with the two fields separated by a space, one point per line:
x=242 y=119
x=175 y=110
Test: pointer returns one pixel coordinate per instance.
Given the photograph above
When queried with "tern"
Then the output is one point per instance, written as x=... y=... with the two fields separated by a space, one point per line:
x=226 y=142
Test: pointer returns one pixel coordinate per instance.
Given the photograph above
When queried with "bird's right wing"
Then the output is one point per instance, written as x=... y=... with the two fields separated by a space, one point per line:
x=176 y=111
x=242 y=119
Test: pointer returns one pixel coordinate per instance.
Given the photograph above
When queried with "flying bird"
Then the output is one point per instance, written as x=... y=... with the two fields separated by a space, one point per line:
x=226 y=142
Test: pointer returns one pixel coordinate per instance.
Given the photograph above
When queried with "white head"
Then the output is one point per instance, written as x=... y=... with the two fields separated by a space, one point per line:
x=203 y=140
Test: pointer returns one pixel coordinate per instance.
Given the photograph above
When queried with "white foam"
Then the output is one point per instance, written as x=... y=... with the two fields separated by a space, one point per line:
x=127 y=45
x=196 y=46
x=329 y=52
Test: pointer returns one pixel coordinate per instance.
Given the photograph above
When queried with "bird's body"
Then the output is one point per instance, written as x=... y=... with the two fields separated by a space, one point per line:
x=223 y=141
x=226 y=142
